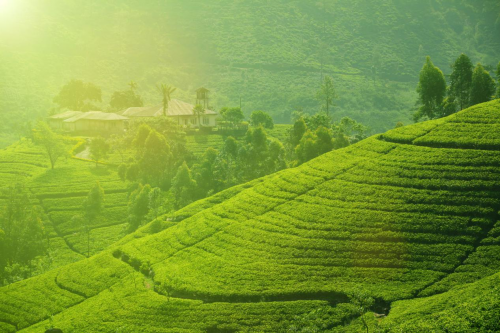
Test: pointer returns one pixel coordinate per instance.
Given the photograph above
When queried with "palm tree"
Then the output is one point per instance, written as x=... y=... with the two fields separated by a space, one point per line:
x=198 y=110
x=166 y=91
x=133 y=85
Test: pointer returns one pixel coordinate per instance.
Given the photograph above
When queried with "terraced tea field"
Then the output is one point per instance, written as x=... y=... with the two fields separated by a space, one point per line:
x=61 y=192
x=410 y=217
x=198 y=144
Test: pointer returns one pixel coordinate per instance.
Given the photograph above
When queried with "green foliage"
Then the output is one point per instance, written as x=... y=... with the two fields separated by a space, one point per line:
x=121 y=100
x=261 y=118
x=52 y=143
x=362 y=303
x=314 y=144
x=352 y=130
x=482 y=87
x=77 y=95
x=369 y=217
x=296 y=132
x=498 y=80
x=156 y=203
x=205 y=173
x=22 y=236
x=183 y=186
x=93 y=206
x=198 y=110
x=156 y=158
x=166 y=92
x=460 y=81
x=141 y=135
x=94 y=203
x=326 y=94
x=321 y=319
x=139 y=204
x=99 y=149
x=267 y=75
x=431 y=89
x=471 y=308
x=233 y=115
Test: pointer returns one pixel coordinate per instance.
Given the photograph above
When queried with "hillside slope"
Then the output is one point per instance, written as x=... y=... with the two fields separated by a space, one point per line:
x=407 y=214
x=269 y=53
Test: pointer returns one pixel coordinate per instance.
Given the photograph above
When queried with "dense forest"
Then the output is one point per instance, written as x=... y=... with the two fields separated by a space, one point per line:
x=271 y=55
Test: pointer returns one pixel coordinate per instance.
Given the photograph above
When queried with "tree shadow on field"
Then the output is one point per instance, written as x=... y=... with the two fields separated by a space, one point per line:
x=100 y=170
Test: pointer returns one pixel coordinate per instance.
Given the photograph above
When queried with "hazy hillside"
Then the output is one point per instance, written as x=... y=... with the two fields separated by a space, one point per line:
x=405 y=215
x=269 y=53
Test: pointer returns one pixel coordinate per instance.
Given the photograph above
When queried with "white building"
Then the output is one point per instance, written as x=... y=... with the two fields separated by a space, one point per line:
x=181 y=112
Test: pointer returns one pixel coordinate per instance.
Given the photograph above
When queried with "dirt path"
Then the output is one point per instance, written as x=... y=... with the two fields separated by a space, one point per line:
x=84 y=154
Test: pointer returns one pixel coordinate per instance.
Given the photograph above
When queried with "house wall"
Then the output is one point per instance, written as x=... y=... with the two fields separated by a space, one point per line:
x=55 y=124
x=192 y=121
x=103 y=127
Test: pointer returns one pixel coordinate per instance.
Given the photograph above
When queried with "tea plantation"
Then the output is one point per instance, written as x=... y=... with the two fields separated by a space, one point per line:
x=61 y=192
x=410 y=217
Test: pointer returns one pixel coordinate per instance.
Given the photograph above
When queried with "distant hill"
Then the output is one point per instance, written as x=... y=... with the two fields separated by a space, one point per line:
x=411 y=217
x=270 y=53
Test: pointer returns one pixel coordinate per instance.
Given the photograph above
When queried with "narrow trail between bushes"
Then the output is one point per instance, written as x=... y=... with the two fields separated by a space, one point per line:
x=84 y=154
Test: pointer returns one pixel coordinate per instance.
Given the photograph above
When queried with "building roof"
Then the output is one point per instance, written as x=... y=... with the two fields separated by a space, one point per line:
x=175 y=108
x=95 y=115
x=65 y=115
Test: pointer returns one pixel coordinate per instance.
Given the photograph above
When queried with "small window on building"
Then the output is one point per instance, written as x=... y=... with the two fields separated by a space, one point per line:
x=206 y=121
x=193 y=121
x=186 y=122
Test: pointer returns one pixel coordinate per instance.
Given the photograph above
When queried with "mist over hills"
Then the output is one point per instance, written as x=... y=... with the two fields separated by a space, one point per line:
x=271 y=54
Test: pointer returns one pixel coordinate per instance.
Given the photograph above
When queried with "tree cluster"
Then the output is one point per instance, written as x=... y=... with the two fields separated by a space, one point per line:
x=468 y=86
x=22 y=236
x=314 y=135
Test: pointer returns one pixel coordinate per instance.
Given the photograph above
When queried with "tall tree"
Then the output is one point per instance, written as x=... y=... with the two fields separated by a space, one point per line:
x=261 y=118
x=198 y=110
x=120 y=145
x=155 y=159
x=121 y=100
x=3 y=254
x=183 y=186
x=204 y=173
x=155 y=201
x=99 y=149
x=351 y=129
x=431 y=90
x=461 y=80
x=141 y=135
x=78 y=95
x=232 y=115
x=53 y=143
x=276 y=159
x=498 y=80
x=92 y=208
x=326 y=93
x=313 y=144
x=166 y=92
x=229 y=157
x=483 y=86
x=138 y=206
x=296 y=132
x=21 y=227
